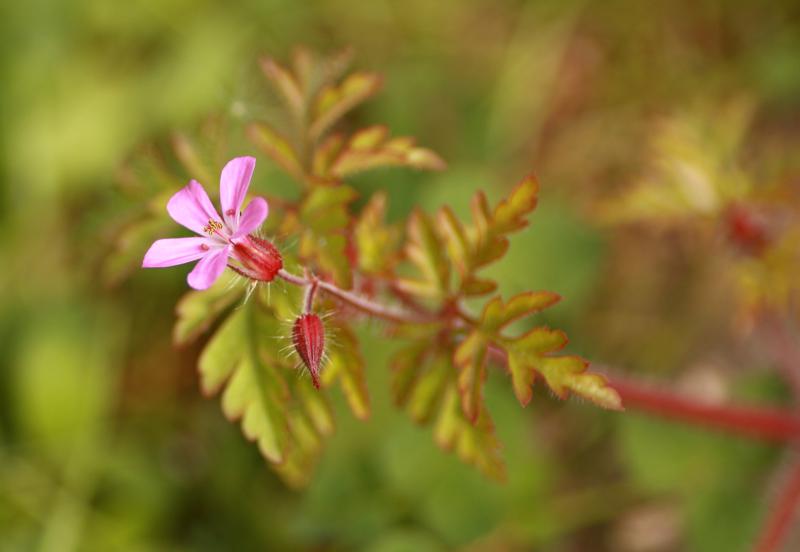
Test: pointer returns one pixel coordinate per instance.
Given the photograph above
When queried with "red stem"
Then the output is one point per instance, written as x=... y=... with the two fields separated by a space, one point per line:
x=785 y=509
x=768 y=424
x=357 y=301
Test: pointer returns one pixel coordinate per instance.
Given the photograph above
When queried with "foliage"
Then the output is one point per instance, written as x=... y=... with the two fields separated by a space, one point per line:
x=431 y=273
x=699 y=182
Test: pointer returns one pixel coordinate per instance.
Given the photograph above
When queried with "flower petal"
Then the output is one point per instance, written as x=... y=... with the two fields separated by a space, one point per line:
x=206 y=272
x=233 y=184
x=175 y=251
x=191 y=208
x=252 y=217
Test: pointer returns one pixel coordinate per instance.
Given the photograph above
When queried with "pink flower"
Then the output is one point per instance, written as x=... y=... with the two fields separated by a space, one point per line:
x=221 y=238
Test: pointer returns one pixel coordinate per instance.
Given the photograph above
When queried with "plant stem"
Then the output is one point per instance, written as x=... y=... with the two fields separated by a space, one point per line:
x=768 y=424
x=354 y=300
x=763 y=423
x=308 y=300
x=785 y=510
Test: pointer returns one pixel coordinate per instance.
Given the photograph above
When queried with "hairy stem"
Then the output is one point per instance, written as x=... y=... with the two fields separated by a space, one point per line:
x=768 y=424
x=308 y=300
x=357 y=301
x=784 y=512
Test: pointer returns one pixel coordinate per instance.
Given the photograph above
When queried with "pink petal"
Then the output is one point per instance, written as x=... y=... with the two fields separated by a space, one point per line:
x=233 y=184
x=191 y=207
x=175 y=251
x=252 y=217
x=206 y=272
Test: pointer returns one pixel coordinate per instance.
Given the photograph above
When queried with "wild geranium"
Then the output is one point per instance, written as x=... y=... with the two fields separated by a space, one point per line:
x=223 y=238
x=426 y=284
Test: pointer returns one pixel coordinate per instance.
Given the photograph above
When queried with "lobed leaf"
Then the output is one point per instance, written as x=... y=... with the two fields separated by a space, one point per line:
x=511 y=214
x=424 y=250
x=376 y=243
x=197 y=310
x=255 y=392
x=532 y=353
x=326 y=153
x=371 y=148
x=278 y=148
x=475 y=443
x=334 y=101
x=285 y=83
x=489 y=230
x=455 y=238
x=470 y=358
x=497 y=314
x=347 y=366
x=325 y=216
x=420 y=376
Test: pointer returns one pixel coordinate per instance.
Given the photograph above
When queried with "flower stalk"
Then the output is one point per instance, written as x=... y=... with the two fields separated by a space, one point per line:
x=356 y=301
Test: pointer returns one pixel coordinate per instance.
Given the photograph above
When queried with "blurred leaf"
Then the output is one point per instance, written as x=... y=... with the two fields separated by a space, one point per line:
x=376 y=243
x=325 y=215
x=277 y=148
x=425 y=251
x=334 y=101
x=420 y=377
x=475 y=444
x=371 y=148
x=197 y=310
x=695 y=168
x=347 y=365
x=130 y=247
x=285 y=84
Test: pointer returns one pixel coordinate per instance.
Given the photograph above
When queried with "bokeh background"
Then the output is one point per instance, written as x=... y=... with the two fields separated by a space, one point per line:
x=105 y=440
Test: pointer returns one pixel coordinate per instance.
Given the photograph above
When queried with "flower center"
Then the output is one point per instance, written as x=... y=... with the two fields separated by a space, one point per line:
x=213 y=227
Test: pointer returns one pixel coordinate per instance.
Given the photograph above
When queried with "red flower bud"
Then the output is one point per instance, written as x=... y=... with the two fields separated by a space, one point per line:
x=308 y=336
x=260 y=260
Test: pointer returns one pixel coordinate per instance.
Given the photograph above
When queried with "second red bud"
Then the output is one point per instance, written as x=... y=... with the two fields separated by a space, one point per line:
x=308 y=336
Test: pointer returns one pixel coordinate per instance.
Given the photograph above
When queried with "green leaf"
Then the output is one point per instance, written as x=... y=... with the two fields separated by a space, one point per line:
x=347 y=366
x=510 y=214
x=326 y=153
x=420 y=377
x=425 y=251
x=277 y=148
x=376 y=243
x=488 y=234
x=325 y=208
x=475 y=287
x=197 y=310
x=532 y=353
x=285 y=83
x=325 y=215
x=476 y=443
x=455 y=238
x=371 y=148
x=254 y=391
x=336 y=100
x=497 y=315
x=470 y=357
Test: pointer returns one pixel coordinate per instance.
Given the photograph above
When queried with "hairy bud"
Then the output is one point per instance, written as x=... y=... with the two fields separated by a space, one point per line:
x=260 y=260
x=308 y=336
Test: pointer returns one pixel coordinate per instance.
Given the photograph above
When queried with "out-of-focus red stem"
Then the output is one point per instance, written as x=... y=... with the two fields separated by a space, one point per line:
x=785 y=509
x=768 y=424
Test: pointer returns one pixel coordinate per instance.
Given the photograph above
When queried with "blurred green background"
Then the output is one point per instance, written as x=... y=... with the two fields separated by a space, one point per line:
x=105 y=440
